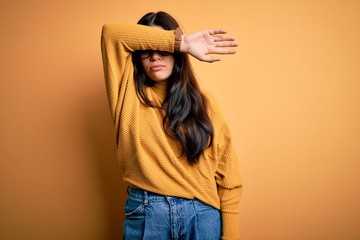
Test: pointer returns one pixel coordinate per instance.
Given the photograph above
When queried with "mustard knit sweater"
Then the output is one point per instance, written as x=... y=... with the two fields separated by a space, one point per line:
x=148 y=157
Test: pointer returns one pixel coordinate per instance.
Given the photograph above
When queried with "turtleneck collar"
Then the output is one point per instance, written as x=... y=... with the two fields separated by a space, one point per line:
x=160 y=88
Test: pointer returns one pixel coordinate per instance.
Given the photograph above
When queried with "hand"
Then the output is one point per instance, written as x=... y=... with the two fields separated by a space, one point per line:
x=201 y=44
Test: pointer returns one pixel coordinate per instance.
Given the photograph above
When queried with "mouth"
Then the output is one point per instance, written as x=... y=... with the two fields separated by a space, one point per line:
x=157 y=67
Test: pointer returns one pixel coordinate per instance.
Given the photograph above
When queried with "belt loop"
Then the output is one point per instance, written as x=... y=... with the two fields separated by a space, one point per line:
x=146 y=198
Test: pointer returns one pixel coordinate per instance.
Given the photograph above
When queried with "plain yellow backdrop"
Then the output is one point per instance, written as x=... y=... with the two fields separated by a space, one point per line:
x=290 y=94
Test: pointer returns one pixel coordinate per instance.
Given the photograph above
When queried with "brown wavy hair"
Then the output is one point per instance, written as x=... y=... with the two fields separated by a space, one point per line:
x=186 y=117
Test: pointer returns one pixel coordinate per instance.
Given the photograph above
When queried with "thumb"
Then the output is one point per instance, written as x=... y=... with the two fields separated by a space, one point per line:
x=210 y=59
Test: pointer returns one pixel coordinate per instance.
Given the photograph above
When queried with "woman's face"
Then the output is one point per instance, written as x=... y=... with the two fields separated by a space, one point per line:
x=157 y=65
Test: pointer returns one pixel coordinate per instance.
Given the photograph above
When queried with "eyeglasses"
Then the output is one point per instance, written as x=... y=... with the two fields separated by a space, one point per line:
x=147 y=53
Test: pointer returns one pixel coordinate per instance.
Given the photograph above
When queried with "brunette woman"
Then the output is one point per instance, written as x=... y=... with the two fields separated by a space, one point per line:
x=174 y=146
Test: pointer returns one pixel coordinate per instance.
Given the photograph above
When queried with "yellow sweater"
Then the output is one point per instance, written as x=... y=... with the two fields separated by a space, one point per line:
x=148 y=157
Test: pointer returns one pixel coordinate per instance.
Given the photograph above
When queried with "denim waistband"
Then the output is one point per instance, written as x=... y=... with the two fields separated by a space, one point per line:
x=147 y=196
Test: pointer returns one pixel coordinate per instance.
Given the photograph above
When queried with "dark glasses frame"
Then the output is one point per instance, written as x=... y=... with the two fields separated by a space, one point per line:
x=144 y=54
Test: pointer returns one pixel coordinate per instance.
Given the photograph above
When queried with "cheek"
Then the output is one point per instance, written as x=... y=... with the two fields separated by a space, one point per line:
x=144 y=65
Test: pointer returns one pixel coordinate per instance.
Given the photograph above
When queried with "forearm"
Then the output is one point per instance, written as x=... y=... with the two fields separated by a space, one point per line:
x=132 y=37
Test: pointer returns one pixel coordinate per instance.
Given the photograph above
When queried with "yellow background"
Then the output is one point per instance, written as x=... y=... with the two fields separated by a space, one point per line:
x=291 y=96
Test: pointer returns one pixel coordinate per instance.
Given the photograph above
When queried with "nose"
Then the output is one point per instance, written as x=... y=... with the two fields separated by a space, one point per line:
x=155 y=56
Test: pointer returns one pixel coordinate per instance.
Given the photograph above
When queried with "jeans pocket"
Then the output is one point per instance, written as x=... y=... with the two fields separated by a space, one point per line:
x=134 y=219
x=133 y=207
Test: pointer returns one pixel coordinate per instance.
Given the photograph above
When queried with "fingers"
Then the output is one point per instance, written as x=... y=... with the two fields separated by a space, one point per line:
x=210 y=59
x=217 y=37
x=224 y=41
x=217 y=31
x=220 y=51
x=223 y=51
x=226 y=44
x=223 y=38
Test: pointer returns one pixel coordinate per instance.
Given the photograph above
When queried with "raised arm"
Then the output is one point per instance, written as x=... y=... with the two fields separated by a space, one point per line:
x=118 y=41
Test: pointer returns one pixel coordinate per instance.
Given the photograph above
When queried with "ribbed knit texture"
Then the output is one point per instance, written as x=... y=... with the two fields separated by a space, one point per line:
x=149 y=158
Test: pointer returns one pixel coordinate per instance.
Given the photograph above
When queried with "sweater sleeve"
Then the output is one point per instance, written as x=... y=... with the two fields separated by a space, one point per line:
x=118 y=41
x=227 y=177
x=229 y=186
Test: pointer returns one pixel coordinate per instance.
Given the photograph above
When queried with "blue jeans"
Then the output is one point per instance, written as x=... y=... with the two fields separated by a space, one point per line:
x=153 y=216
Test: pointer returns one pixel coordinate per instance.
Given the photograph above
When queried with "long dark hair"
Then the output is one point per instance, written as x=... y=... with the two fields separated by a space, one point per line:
x=185 y=106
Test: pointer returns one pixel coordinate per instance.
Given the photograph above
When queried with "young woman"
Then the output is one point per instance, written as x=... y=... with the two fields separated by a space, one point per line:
x=174 y=146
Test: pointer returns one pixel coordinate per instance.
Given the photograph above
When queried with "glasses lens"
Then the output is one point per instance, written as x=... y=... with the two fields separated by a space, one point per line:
x=164 y=53
x=147 y=53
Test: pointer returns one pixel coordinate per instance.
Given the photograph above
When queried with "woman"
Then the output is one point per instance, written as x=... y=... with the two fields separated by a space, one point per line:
x=174 y=147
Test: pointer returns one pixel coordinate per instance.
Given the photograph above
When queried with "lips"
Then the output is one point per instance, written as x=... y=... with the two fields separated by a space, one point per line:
x=157 y=67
